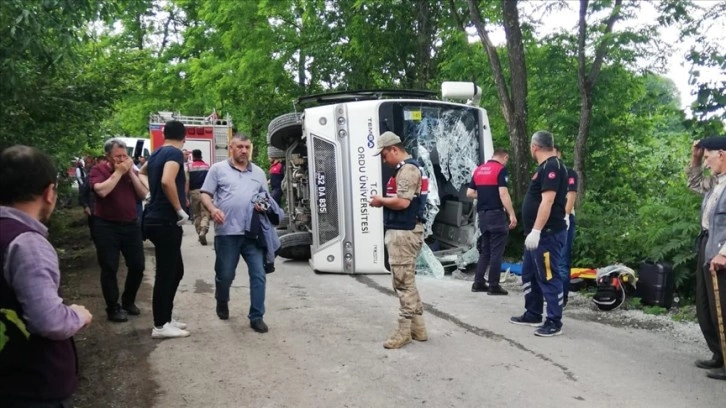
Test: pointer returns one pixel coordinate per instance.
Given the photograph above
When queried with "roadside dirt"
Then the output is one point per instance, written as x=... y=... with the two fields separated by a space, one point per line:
x=114 y=371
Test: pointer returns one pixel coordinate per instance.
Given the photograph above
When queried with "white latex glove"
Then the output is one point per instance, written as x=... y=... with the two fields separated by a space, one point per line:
x=567 y=221
x=532 y=240
x=183 y=217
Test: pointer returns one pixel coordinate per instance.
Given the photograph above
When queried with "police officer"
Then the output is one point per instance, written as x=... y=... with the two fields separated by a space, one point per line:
x=403 y=209
x=197 y=174
x=711 y=260
x=489 y=185
x=543 y=215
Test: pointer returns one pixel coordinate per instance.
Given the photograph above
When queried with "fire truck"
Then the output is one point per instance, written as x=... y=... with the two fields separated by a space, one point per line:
x=210 y=134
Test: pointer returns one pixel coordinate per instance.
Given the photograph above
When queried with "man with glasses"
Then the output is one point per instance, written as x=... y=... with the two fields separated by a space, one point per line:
x=116 y=230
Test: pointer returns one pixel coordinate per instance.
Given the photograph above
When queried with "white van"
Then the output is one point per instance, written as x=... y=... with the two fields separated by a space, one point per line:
x=331 y=173
x=137 y=146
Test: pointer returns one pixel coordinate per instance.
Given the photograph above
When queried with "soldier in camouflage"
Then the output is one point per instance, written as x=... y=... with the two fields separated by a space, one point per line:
x=403 y=209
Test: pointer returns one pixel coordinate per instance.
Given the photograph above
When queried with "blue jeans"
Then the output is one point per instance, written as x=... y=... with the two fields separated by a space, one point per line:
x=565 y=259
x=541 y=278
x=228 y=249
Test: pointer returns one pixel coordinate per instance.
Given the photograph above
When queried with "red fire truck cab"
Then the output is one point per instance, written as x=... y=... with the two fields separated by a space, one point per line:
x=210 y=134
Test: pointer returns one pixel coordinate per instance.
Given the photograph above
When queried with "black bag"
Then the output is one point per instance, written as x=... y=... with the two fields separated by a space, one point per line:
x=610 y=292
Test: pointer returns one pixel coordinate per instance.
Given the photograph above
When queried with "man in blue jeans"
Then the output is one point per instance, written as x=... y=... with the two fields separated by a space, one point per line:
x=233 y=183
x=543 y=218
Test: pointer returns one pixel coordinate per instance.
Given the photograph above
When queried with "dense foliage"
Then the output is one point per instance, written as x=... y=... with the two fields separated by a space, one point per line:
x=76 y=71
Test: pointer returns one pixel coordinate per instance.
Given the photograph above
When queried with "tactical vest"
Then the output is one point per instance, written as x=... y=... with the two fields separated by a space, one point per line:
x=407 y=218
x=30 y=366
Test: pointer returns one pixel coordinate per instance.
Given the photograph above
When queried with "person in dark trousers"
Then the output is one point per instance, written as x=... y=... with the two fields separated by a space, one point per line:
x=86 y=197
x=162 y=222
x=80 y=173
x=711 y=259
x=489 y=185
x=116 y=229
x=277 y=174
x=38 y=359
x=566 y=259
x=197 y=173
x=233 y=184
x=543 y=218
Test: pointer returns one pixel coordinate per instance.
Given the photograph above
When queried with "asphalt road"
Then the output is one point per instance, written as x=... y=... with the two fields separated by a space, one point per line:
x=324 y=349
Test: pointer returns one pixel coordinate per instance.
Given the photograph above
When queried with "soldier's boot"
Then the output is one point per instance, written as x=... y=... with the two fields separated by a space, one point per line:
x=401 y=336
x=418 y=328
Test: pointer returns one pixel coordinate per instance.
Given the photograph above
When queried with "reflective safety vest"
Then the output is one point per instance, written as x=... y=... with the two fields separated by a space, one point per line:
x=407 y=218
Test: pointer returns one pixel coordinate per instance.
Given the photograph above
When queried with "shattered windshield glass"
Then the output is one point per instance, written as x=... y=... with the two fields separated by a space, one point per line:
x=445 y=140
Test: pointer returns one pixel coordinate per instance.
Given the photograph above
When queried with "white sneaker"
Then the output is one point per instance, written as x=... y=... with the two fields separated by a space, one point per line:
x=168 y=332
x=178 y=324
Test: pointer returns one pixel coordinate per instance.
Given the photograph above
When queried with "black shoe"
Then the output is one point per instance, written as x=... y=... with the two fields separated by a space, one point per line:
x=259 y=326
x=131 y=309
x=709 y=364
x=116 y=314
x=223 y=310
x=526 y=321
x=479 y=287
x=497 y=290
x=717 y=374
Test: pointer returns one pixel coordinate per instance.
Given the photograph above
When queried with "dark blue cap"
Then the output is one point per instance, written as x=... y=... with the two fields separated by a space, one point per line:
x=713 y=143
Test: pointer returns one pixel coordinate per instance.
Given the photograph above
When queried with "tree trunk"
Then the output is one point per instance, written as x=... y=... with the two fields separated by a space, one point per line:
x=300 y=14
x=301 y=71
x=586 y=83
x=581 y=143
x=140 y=32
x=514 y=105
x=424 y=43
x=518 y=135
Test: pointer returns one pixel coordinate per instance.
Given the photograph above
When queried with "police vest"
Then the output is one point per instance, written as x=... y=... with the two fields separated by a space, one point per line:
x=197 y=173
x=407 y=218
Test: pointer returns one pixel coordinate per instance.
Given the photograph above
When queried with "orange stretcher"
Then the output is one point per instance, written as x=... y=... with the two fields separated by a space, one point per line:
x=583 y=273
x=581 y=278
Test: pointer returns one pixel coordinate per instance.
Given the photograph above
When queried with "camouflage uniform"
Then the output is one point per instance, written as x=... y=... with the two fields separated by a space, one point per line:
x=404 y=245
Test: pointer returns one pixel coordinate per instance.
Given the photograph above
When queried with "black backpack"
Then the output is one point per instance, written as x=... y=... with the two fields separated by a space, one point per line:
x=613 y=282
x=610 y=293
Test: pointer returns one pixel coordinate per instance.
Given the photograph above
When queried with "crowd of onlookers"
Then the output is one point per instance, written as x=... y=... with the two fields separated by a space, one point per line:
x=126 y=201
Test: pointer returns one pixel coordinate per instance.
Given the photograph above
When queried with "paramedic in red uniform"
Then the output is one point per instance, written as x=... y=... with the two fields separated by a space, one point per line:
x=543 y=218
x=197 y=174
x=277 y=173
x=489 y=185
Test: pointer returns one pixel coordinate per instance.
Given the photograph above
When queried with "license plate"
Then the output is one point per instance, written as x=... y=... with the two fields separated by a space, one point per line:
x=321 y=197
